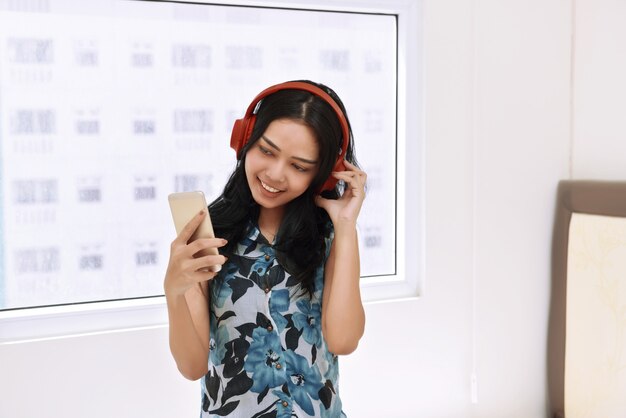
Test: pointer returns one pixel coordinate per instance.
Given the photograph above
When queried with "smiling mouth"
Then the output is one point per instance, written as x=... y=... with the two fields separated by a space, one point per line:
x=269 y=188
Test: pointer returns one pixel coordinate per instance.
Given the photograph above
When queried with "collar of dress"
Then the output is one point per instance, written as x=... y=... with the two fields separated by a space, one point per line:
x=254 y=233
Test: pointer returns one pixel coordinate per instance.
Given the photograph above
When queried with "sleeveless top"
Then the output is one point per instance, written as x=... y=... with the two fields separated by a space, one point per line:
x=268 y=357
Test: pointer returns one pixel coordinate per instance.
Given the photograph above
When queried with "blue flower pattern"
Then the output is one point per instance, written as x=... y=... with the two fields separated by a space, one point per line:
x=268 y=357
x=304 y=381
x=308 y=320
x=279 y=303
x=264 y=362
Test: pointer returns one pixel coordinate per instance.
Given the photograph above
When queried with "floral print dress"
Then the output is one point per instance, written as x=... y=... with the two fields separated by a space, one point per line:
x=268 y=358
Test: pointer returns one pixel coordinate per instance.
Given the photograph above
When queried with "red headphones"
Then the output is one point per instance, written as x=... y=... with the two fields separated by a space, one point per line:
x=242 y=129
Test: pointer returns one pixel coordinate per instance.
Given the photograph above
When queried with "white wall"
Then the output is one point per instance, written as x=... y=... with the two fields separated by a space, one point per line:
x=499 y=96
x=599 y=150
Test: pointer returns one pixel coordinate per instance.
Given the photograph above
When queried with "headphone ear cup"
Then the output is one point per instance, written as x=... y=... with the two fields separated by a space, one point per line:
x=236 y=136
x=240 y=135
x=331 y=182
x=248 y=129
x=339 y=165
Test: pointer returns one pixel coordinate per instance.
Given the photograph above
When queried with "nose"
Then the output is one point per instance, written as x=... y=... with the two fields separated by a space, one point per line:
x=276 y=172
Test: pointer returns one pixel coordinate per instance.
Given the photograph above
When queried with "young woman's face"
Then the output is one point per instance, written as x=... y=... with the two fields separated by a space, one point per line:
x=281 y=165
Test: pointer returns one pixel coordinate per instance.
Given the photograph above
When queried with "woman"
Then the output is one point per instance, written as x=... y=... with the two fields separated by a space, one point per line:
x=286 y=301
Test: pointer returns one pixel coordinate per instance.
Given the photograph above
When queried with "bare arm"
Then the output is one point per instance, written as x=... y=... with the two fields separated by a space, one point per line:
x=186 y=290
x=343 y=316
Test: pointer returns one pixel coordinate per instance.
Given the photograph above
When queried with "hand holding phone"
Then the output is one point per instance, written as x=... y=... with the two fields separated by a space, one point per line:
x=184 y=206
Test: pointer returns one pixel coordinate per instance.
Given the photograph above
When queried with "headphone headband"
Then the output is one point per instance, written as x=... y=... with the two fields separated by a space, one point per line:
x=242 y=129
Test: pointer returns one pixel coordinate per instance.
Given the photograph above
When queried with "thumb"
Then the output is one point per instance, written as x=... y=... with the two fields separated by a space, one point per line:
x=320 y=201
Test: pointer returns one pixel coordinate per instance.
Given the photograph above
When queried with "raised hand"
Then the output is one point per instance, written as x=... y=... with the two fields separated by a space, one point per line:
x=188 y=265
x=346 y=209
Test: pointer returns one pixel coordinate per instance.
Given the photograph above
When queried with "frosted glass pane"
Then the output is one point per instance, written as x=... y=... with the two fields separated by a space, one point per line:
x=107 y=107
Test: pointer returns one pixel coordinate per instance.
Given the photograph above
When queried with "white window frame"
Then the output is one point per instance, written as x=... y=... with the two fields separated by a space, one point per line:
x=86 y=318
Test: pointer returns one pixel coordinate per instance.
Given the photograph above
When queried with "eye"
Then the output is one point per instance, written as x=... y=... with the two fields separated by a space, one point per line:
x=265 y=150
x=299 y=168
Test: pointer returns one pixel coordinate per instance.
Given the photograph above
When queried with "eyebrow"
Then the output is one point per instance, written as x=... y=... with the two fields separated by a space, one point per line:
x=273 y=145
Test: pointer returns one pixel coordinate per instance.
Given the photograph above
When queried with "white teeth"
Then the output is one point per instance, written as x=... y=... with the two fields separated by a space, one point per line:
x=268 y=188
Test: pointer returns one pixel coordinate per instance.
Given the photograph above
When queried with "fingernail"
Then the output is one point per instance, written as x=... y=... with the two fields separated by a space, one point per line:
x=201 y=212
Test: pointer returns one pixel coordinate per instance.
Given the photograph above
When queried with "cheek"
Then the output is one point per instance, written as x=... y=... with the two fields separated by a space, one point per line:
x=249 y=164
x=248 y=171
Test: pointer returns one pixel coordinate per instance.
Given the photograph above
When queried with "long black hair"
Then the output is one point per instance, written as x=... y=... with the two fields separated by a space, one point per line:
x=299 y=242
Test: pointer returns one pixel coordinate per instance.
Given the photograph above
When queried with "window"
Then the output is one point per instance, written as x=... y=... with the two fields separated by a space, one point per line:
x=108 y=108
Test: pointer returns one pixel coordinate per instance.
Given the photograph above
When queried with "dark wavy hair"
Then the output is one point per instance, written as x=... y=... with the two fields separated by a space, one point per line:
x=299 y=242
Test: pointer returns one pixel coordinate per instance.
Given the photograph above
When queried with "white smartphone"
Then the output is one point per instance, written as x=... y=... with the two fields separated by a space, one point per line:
x=186 y=205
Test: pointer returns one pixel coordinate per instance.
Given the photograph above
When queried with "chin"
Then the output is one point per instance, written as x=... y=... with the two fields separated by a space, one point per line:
x=267 y=203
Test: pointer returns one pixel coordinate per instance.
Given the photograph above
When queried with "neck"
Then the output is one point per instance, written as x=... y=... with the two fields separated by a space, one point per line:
x=269 y=221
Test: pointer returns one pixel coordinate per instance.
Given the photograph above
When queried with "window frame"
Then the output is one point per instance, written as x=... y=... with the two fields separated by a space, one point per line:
x=31 y=324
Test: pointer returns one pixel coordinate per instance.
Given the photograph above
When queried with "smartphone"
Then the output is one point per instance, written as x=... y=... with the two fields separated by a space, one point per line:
x=186 y=205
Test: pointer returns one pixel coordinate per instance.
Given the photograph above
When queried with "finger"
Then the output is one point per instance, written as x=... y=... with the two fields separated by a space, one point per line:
x=207 y=261
x=354 y=173
x=203 y=275
x=351 y=172
x=354 y=169
x=206 y=244
x=354 y=186
x=321 y=202
x=348 y=177
x=343 y=174
x=349 y=164
x=191 y=227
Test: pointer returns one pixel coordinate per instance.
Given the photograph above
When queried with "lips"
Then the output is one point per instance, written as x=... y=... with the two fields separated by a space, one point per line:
x=269 y=188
